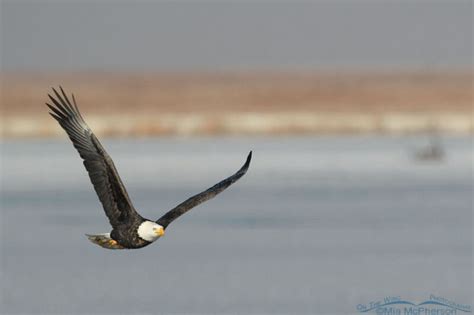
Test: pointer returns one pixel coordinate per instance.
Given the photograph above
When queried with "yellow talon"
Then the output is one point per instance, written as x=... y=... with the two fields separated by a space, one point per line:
x=113 y=242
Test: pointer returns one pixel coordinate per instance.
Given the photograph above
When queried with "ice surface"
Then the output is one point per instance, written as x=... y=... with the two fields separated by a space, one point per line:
x=318 y=225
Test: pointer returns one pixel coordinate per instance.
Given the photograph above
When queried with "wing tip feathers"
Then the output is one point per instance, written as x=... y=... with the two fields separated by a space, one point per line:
x=62 y=103
x=249 y=158
x=246 y=165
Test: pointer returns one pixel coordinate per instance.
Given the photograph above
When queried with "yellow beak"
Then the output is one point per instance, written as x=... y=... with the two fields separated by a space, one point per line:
x=160 y=232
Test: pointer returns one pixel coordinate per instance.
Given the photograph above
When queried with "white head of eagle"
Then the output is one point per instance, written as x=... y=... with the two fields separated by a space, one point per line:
x=150 y=231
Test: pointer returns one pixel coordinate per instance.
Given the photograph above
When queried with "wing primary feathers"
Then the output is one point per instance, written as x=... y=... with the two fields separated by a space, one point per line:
x=75 y=105
x=56 y=112
x=195 y=200
x=102 y=172
x=60 y=105
x=54 y=116
x=65 y=96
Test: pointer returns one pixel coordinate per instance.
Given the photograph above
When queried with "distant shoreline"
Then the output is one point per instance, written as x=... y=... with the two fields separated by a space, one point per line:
x=249 y=124
x=134 y=104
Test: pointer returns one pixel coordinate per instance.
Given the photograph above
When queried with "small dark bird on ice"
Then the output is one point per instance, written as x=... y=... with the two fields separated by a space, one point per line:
x=129 y=229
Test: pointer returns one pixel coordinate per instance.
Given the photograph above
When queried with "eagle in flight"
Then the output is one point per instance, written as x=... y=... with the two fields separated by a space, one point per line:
x=129 y=229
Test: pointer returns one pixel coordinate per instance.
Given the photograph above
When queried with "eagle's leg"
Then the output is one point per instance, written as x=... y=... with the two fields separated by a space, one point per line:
x=104 y=240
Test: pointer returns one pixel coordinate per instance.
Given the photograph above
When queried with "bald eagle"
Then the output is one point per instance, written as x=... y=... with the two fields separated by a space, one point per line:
x=129 y=229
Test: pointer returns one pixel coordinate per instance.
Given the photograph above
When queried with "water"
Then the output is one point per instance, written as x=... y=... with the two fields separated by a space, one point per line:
x=318 y=225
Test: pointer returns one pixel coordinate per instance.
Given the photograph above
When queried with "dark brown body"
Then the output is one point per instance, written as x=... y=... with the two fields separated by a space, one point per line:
x=126 y=235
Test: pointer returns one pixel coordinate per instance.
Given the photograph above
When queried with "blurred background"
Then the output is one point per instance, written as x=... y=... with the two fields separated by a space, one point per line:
x=359 y=114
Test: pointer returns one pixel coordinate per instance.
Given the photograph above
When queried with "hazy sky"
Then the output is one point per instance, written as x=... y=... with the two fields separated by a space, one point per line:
x=198 y=35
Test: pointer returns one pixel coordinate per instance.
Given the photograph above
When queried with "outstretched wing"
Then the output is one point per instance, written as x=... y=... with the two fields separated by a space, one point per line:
x=99 y=165
x=192 y=202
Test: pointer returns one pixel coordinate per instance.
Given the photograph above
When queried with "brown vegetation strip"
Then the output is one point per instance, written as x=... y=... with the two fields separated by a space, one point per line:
x=215 y=103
